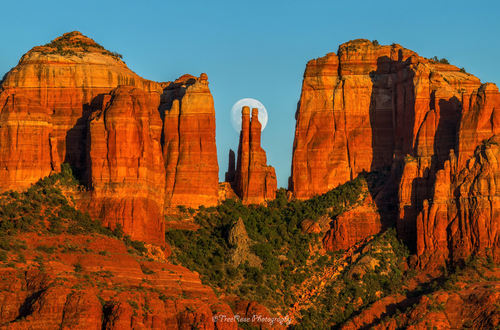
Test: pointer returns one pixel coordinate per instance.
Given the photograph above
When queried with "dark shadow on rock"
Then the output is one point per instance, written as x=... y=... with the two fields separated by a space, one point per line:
x=76 y=140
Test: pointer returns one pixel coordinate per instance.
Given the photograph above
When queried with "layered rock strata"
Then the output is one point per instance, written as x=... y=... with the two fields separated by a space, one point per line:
x=374 y=107
x=125 y=164
x=255 y=182
x=110 y=289
x=189 y=150
x=46 y=101
x=72 y=101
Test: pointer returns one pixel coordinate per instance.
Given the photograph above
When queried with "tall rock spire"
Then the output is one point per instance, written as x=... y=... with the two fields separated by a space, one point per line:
x=255 y=182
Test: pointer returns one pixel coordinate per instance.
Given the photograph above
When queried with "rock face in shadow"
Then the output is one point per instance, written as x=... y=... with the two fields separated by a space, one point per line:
x=255 y=182
x=372 y=107
x=125 y=164
x=189 y=150
x=46 y=101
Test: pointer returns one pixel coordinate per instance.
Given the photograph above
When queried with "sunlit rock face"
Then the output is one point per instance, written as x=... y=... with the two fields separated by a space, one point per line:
x=125 y=164
x=372 y=107
x=189 y=149
x=45 y=102
x=255 y=182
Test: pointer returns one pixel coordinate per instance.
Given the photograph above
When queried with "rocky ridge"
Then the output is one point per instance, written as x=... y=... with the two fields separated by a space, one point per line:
x=372 y=108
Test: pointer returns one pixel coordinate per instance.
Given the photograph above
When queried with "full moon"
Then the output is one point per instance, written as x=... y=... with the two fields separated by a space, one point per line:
x=251 y=103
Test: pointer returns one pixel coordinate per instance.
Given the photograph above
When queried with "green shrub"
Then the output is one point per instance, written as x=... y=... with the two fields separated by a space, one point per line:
x=78 y=267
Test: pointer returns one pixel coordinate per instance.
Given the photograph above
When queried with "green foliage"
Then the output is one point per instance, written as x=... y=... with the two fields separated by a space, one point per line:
x=147 y=271
x=46 y=248
x=279 y=243
x=118 y=231
x=435 y=59
x=137 y=245
x=78 y=267
x=44 y=208
x=409 y=159
x=336 y=305
x=133 y=304
x=375 y=43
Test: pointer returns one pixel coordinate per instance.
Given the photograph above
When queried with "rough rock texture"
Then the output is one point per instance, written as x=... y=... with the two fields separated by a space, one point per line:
x=110 y=289
x=25 y=139
x=255 y=182
x=353 y=226
x=471 y=308
x=126 y=173
x=240 y=241
x=46 y=100
x=374 y=107
x=192 y=171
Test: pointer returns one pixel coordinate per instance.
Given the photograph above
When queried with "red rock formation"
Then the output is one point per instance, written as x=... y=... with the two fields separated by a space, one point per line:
x=60 y=82
x=374 y=107
x=255 y=182
x=345 y=116
x=353 y=226
x=125 y=164
x=192 y=171
x=110 y=290
x=26 y=141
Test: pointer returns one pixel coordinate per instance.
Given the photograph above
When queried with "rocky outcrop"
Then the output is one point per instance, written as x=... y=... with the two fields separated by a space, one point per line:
x=189 y=150
x=255 y=182
x=46 y=101
x=125 y=164
x=374 y=107
x=240 y=241
x=353 y=226
x=72 y=101
x=93 y=282
x=345 y=117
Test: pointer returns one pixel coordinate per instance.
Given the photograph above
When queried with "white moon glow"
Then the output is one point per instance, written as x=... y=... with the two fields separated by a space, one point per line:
x=252 y=103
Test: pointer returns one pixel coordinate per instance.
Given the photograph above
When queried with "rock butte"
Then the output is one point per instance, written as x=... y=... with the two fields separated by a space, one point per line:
x=436 y=127
x=138 y=145
x=189 y=150
x=254 y=181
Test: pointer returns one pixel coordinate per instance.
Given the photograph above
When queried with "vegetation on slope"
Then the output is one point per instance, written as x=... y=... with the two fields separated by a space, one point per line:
x=286 y=253
x=377 y=271
x=72 y=42
x=44 y=209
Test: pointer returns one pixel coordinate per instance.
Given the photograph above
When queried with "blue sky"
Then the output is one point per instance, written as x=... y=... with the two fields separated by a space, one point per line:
x=255 y=49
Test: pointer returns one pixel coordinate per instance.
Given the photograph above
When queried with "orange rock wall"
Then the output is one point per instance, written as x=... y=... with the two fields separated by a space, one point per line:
x=62 y=104
x=26 y=143
x=378 y=107
x=189 y=149
x=353 y=226
x=65 y=88
x=255 y=182
x=125 y=164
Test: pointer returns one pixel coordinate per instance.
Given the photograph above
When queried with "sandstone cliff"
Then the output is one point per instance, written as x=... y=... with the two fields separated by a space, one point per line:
x=126 y=173
x=192 y=171
x=47 y=99
x=255 y=182
x=139 y=146
x=374 y=107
